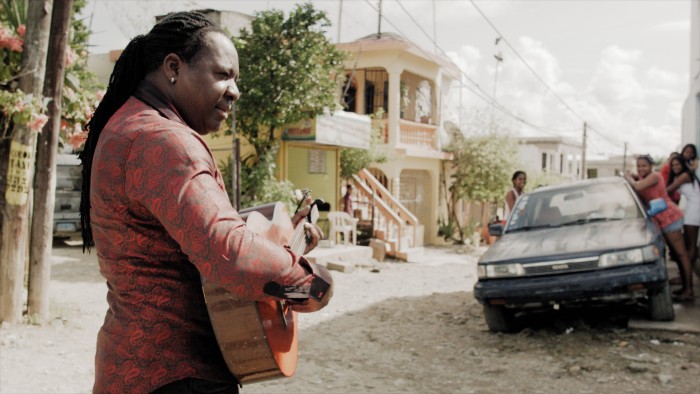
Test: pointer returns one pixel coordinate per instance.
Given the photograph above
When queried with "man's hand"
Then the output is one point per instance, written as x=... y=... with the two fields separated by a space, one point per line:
x=313 y=232
x=321 y=290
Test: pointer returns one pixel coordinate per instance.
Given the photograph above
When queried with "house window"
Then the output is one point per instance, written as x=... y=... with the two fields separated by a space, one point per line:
x=591 y=173
x=317 y=161
x=544 y=162
x=349 y=93
x=376 y=90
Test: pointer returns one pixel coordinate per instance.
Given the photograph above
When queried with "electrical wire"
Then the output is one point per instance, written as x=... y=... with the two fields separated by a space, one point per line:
x=481 y=94
x=505 y=40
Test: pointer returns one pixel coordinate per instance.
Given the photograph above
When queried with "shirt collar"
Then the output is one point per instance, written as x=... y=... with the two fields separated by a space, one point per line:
x=151 y=95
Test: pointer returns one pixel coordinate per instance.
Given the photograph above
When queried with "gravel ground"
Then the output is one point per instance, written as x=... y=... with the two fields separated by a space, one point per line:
x=391 y=327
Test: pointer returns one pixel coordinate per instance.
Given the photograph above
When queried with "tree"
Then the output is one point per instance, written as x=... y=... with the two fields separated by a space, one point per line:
x=481 y=169
x=20 y=167
x=45 y=177
x=288 y=73
x=22 y=118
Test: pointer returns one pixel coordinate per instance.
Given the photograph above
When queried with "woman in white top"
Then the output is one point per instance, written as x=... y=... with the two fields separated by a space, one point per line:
x=683 y=179
x=690 y=154
x=519 y=180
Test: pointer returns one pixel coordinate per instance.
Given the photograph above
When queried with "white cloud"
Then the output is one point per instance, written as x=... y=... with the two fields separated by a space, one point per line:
x=615 y=81
x=663 y=78
x=467 y=58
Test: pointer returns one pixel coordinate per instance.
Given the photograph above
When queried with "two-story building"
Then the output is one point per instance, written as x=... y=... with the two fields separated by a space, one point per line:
x=558 y=156
x=409 y=86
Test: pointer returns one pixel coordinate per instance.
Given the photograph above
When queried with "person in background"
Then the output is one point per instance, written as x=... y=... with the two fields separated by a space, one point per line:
x=519 y=180
x=684 y=180
x=347 y=200
x=155 y=207
x=665 y=172
x=690 y=155
x=650 y=186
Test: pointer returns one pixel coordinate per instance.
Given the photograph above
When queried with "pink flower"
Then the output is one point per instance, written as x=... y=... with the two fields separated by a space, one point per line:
x=21 y=29
x=77 y=139
x=12 y=43
x=99 y=95
x=37 y=123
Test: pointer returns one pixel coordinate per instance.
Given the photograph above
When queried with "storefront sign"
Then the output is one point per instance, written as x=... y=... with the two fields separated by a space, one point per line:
x=343 y=129
x=19 y=173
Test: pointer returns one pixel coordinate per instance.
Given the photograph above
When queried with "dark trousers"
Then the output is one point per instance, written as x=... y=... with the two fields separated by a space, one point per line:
x=197 y=386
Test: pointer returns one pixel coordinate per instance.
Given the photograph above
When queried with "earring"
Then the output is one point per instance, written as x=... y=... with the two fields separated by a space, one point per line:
x=172 y=80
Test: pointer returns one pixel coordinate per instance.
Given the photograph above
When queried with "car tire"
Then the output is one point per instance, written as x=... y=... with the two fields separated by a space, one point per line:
x=500 y=319
x=661 y=304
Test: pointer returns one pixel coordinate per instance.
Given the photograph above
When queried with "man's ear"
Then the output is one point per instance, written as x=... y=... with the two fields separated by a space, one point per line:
x=171 y=66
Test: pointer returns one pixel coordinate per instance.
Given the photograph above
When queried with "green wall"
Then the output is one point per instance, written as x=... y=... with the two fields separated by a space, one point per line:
x=322 y=185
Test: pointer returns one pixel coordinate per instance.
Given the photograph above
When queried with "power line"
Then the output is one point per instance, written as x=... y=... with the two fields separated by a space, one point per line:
x=504 y=39
x=483 y=95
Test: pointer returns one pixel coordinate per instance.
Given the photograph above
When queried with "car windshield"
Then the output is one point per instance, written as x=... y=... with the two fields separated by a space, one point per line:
x=572 y=206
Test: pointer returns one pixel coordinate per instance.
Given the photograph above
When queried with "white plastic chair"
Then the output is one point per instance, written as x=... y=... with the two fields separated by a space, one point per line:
x=342 y=223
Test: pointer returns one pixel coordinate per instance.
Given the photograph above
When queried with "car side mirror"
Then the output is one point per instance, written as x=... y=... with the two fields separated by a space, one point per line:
x=496 y=229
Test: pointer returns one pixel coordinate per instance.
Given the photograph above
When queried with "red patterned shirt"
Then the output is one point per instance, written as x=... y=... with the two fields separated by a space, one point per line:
x=161 y=218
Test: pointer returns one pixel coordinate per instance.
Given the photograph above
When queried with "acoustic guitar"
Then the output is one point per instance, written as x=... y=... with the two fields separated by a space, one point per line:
x=259 y=339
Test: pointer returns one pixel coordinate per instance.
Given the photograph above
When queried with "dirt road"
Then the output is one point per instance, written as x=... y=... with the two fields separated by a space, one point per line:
x=397 y=328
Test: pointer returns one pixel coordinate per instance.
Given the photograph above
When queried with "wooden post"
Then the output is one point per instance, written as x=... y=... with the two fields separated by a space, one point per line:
x=15 y=213
x=45 y=178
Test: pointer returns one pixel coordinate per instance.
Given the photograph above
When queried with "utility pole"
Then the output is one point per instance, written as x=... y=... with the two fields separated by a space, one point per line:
x=20 y=170
x=340 y=18
x=45 y=178
x=499 y=59
x=624 y=160
x=235 y=164
x=379 y=21
x=584 y=174
x=435 y=29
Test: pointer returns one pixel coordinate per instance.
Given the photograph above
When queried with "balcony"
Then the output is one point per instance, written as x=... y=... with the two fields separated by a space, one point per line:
x=415 y=139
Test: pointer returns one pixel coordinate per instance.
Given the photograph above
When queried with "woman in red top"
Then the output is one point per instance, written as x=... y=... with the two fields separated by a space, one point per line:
x=650 y=186
x=155 y=205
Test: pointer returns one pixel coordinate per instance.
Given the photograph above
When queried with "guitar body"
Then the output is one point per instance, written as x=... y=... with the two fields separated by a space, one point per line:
x=257 y=339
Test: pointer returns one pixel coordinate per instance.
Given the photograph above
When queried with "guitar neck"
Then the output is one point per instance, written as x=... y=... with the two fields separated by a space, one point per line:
x=298 y=243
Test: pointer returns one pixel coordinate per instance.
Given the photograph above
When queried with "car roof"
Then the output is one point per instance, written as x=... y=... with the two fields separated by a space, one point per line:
x=67 y=159
x=580 y=183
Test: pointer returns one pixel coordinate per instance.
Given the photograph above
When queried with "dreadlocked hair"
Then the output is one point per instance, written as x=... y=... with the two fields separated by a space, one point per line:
x=181 y=33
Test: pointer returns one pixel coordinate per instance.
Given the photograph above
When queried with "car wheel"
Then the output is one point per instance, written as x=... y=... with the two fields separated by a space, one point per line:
x=500 y=319
x=661 y=305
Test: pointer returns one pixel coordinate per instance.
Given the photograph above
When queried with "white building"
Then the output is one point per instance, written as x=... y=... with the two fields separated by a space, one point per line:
x=598 y=167
x=551 y=155
x=691 y=108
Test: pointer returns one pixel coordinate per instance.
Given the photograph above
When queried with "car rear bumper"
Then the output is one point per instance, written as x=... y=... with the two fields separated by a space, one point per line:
x=612 y=284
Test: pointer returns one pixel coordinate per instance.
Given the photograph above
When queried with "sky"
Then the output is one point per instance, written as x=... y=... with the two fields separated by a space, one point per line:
x=620 y=66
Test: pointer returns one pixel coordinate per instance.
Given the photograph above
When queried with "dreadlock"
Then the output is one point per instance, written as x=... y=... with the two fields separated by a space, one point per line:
x=181 y=33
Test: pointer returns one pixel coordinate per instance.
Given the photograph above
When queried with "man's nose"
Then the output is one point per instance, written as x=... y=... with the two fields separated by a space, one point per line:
x=232 y=91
